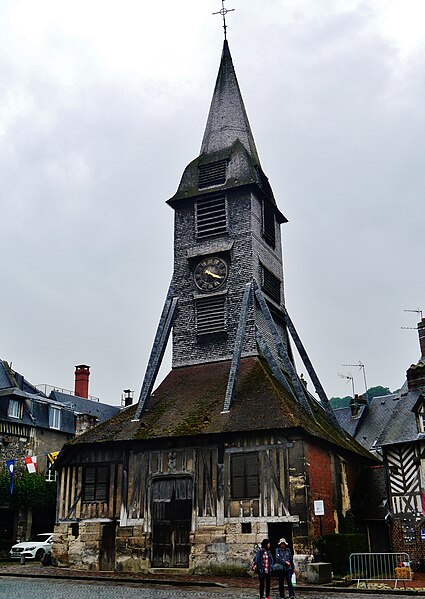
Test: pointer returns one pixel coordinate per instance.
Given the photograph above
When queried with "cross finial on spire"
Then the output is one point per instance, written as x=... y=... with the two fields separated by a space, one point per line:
x=223 y=12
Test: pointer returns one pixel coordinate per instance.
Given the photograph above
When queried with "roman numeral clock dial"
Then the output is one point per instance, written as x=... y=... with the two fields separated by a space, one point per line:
x=210 y=274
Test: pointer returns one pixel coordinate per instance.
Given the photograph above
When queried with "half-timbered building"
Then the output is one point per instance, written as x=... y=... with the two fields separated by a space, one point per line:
x=403 y=446
x=231 y=447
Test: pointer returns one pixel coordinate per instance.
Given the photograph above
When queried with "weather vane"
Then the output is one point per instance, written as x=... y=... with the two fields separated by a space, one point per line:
x=223 y=12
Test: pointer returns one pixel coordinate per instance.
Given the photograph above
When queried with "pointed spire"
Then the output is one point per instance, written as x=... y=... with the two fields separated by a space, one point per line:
x=227 y=119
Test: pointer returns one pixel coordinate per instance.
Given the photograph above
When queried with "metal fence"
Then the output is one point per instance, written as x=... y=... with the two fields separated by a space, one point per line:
x=377 y=567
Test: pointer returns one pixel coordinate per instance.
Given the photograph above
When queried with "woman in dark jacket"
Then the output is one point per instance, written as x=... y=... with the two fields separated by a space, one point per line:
x=264 y=561
x=284 y=557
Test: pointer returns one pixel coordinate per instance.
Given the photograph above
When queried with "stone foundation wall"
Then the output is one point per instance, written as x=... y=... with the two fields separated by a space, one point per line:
x=77 y=549
x=132 y=549
x=214 y=549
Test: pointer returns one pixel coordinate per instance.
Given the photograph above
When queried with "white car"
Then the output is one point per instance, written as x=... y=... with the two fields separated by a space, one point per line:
x=35 y=548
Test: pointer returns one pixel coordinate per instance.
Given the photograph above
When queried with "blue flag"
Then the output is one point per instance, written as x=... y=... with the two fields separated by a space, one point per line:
x=10 y=465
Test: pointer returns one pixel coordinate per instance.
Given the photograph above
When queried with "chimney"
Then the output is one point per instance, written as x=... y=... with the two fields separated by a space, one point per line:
x=355 y=404
x=127 y=398
x=421 y=333
x=82 y=373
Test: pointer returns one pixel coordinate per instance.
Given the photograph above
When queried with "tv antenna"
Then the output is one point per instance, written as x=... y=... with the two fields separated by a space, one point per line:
x=361 y=366
x=223 y=12
x=350 y=377
x=419 y=312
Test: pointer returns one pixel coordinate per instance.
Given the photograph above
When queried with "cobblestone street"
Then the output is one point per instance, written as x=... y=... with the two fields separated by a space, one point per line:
x=30 y=588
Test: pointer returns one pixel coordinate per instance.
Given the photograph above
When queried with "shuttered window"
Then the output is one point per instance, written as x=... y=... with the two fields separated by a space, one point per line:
x=245 y=482
x=271 y=285
x=95 y=483
x=211 y=315
x=210 y=216
x=269 y=227
x=212 y=174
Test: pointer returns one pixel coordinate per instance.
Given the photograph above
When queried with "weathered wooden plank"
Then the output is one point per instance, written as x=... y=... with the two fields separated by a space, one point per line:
x=79 y=481
x=62 y=494
x=67 y=482
x=200 y=475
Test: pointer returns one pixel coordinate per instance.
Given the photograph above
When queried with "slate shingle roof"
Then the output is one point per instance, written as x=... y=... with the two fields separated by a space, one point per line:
x=85 y=406
x=402 y=428
x=189 y=403
x=379 y=413
x=347 y=421
x=5 y=382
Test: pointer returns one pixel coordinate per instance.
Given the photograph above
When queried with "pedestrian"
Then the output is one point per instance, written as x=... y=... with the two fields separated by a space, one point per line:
x=284 y=557
x=264 y=561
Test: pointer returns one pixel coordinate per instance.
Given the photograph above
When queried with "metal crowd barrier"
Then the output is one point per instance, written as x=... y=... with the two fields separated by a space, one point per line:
x=368 y=567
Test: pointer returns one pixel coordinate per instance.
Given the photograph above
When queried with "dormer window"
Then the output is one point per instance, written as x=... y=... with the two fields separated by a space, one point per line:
x=15 y=409
x=54 y=417
x=212 y=174
x=419 y=410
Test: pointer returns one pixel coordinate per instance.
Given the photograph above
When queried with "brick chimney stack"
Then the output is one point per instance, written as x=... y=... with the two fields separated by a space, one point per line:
x=421 y=332
x=82 y=374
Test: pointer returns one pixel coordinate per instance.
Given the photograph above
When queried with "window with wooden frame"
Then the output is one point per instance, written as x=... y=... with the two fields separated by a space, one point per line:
x=210 y=216
x=269 y=224
x=95 y=483
x=15 y=409
x=244 y=475
x=54 y=417
x=51 y=474
x=270 y=284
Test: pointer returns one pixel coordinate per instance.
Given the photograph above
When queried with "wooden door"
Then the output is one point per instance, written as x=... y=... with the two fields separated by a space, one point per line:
x=107 y=547
x=171 y=522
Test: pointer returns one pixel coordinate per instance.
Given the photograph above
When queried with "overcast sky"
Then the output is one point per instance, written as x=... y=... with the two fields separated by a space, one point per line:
x=102 y=105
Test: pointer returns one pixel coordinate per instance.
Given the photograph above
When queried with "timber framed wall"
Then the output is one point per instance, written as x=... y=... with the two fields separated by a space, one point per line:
x=221 y=528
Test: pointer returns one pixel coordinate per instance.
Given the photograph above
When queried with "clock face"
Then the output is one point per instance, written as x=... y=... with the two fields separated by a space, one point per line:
x=210 y=274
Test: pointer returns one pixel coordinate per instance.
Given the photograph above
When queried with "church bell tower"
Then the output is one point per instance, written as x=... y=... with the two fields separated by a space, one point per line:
x=226 y=299
x=226 y=234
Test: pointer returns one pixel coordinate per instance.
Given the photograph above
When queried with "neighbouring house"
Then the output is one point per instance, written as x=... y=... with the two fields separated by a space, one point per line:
x=391 y=496
x=403 y=448
x=35 y=422
x=231 y=447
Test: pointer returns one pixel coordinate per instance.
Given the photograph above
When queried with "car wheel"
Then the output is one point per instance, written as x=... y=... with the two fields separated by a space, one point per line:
x=40 y=554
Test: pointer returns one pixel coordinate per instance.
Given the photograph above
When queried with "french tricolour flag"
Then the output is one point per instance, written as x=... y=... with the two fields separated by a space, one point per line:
x=31 y=464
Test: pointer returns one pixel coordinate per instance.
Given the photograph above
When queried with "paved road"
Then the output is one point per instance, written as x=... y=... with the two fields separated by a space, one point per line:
x=31 y=588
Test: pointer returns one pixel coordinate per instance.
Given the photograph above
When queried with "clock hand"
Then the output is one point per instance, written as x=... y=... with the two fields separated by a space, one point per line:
x=208 y=272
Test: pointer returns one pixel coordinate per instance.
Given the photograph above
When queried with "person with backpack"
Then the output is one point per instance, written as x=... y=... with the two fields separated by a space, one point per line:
x=264 y=562
x=284 y=557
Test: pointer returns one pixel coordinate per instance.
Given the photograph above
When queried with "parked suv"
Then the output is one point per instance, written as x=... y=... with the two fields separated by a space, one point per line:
x=35 y=548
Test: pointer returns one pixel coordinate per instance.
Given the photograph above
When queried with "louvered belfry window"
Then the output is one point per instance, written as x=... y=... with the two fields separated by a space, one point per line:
x=271 y=285
x=212 y=174
x=210 y=216
x=269 y=230
x=211 y=315
x=245 y=483
x=95 y=483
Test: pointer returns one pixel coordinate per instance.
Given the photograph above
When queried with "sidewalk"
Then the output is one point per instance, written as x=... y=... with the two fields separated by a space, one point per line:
x=35 y=569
